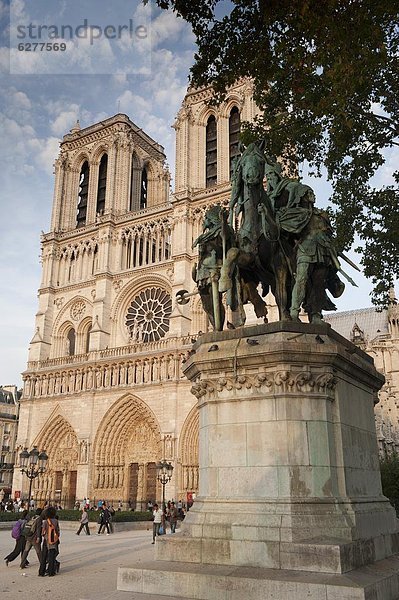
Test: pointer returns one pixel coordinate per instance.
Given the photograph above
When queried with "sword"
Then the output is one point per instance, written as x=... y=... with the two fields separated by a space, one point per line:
x=348 y=260
x=347 y=277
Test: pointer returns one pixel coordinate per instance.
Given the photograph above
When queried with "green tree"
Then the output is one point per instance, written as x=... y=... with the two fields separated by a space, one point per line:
x=325 y=75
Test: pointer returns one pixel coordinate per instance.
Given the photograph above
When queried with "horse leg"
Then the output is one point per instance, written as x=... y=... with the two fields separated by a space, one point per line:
x=259 y=304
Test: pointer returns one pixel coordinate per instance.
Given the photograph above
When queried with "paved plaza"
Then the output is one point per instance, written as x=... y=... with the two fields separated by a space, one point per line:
x=88 y=571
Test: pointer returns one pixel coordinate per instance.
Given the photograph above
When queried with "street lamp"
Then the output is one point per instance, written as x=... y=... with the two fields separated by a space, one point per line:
x=32 y=464
x=164 y=475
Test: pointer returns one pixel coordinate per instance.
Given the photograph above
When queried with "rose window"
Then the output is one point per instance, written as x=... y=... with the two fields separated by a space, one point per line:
x=148 y=315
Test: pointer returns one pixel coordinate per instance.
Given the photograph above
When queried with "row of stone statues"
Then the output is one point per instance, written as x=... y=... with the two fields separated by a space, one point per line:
x=272 y=238
x=127 y=373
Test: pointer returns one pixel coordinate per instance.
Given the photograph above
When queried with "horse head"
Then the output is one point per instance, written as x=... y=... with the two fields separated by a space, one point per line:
x=252 y=163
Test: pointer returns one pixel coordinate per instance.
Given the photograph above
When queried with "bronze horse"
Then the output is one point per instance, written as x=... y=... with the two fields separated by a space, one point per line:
x=264 y=256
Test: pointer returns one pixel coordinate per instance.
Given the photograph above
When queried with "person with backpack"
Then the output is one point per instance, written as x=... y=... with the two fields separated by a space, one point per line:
x=16 y=534
x=51 y=536
x=32 y=534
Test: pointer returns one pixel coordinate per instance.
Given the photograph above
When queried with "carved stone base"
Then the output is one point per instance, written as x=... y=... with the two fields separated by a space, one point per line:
x=289 y=469
x=213 y=582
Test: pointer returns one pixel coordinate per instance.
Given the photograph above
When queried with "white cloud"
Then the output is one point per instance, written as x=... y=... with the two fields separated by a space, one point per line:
x=45 y=151
x=133 y=103
x=27 y=148
x=21 y=100
x=65 y=120
x=167 y=27
x=14 y=130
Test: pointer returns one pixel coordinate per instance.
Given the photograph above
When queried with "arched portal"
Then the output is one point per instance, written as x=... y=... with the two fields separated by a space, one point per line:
x=126 y=450
x=188 y=452
x=58 y=483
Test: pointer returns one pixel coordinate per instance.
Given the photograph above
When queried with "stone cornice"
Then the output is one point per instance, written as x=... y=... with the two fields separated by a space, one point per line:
x=302 y=381
x=98 y=130
x=299 y=352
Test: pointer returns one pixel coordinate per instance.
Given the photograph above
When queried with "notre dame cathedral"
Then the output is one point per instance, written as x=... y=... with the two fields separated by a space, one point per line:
x=104 y=393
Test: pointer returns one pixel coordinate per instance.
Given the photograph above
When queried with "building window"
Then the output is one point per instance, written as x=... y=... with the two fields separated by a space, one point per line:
x=148 y=315
x=71 y=340
x=71 y=268
x=211 y=152
x=144 y=189
x=83 y=194
x=234 y=135
x=87 y=345
x=135 y=184
x=94 y=266
x=102 y=185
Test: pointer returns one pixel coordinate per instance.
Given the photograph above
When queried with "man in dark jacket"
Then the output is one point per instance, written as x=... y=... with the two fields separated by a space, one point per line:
x=104 y=520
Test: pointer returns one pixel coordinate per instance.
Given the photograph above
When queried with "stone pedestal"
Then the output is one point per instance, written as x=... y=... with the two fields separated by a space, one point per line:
x=289 y=470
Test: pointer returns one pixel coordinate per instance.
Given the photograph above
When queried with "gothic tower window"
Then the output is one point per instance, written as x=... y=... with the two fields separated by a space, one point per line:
x=71 y=340
x=102 y=184
x=211 y=152
x=144 y=189
x=234 y=135
x=87 y=341
x=94 y=264
x=71 y=268
x=134 y=184
x=83 y=194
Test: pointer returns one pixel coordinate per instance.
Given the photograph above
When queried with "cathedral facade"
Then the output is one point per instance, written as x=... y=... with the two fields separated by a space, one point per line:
x=104 y=393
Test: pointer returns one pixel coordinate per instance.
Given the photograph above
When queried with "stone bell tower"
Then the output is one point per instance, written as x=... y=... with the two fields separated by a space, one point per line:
x=103 y=174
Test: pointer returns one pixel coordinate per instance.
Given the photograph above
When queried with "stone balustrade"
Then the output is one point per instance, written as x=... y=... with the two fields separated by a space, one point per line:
x=136 y=364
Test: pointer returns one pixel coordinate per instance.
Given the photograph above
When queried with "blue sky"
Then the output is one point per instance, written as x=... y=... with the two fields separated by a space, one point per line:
x=40 y=101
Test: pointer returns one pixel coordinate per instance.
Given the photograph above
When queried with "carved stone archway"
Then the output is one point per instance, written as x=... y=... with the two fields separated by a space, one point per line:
x=58 y=483
x=126 y=450
x=188 y=453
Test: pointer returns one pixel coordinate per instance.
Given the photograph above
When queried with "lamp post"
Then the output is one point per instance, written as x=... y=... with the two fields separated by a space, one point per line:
x=164 y=475
x=32 y=464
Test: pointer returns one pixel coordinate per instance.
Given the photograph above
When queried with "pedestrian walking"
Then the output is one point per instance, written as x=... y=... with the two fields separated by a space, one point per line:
x=103 y=520
x=84 y=522
x=32 y=532
x=158 y=518
x=51 y=536
x=16 y=534
x=173 y=512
